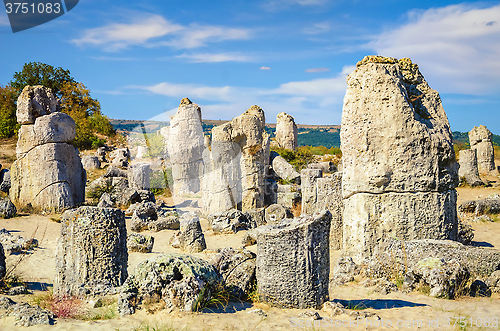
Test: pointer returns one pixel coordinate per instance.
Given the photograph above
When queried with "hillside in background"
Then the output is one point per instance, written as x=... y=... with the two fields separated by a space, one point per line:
x=309 y=135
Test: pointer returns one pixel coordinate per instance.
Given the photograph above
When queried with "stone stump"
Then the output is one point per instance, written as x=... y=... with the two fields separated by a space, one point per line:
x=139 y=176
x=468 y=167
x=293 y=262
x=91 y=253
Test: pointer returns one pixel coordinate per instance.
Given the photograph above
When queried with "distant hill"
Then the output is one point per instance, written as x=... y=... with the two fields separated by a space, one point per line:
x=309 y=135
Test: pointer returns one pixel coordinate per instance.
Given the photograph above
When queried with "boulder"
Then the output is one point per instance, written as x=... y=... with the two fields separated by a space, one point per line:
x=35 y=101
x=91 y=162
x=475 y=208
x=190 y=235
x=113 y=171
x=91 y=253
x=289 y=196
x=137 y=242
x=293 y=262
x=16 y=244
x=255 y=217
x=165 y=223
x=29 y=315
x=5 y=180
x=7 y=208
x=228 y=221
x=178 y=280
x=185 y=148
x=105 y=201
x=399 y=169
x=284 y=170
x=139 y=176
x=101 y=154
x=237 y=268
x=276 y=213
x=468 y=167
x=480 y=139
x=286 y=131
x=143 y=215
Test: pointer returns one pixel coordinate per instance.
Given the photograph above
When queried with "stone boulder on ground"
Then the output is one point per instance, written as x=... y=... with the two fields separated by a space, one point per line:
x=399 y=168
x=91 y=162
x=16 y=244
x=228 y=221
x=283 y=169
x=139 y=176
x=5 y=180
x=237 y=268
x=276 y=213
x=293 y=262
x=178 y=280
x=190 y=237
x=91 y=253
x=144 y=214
x=137 y=242
x=7 y=208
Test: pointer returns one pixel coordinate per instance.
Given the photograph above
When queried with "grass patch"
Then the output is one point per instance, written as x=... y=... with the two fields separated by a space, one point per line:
x=218 y=297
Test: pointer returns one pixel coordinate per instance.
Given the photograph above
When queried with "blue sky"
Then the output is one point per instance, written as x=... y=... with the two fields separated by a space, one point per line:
x=139 y=59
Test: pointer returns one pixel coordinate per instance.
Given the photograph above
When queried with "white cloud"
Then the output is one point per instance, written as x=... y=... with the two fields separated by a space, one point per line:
x=317 y=70
x=148 y=29
x=265 y=68
x=312 y=101
x=317 y=28
x=457 y=47
x=220 y=57
x=4 y=19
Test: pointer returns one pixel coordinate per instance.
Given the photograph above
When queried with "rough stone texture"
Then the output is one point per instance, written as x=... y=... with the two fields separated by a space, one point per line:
x=308 y=178
x=165 y=223
x=101 y=154
x=493 y=281
x=326 y=167
x=91 y=162
x=105 y=201
x=190 y=235
x=7 y=208
x=475 y=208
x=465 y=233
x=402 y=255
x=35 y=101
x=15 y=244
x=276 y=213
x=120 y=157
x=288 y=196
x=344 y=271
x=5 y=180
x=28 y=315
x=48 y=173
x=91 y=253
x=177 y=279
x=286 y=131
x=399 y=168
x=235 y=166
x=255 y=217
x=144 y=214
x=480 y=140
x=237 y=268
x=271 y=192
x=3 y=266
x=228 y=221
x=137 y=242
x=185 y=148
x=284 y=170
x=468 y=167
x=293 y=262
x=139 y=176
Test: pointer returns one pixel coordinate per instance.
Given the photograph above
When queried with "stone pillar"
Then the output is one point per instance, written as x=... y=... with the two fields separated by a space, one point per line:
x=308 y=178
x=399 y=168
x=91 y=253
x=139 y=176
x=468 y=167
x=293 y=262
x=480 y=140
x=286 y=131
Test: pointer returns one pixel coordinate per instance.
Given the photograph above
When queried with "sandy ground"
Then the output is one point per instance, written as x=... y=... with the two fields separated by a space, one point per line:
x=412 y=311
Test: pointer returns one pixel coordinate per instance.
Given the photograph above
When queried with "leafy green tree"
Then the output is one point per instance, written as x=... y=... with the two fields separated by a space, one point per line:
x=8 y=120
x=37 y=73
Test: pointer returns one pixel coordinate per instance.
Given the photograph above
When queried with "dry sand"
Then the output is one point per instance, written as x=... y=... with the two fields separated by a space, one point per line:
x=412 y=311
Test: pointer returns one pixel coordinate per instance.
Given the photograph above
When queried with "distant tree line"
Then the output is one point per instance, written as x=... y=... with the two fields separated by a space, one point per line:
x=75 y=101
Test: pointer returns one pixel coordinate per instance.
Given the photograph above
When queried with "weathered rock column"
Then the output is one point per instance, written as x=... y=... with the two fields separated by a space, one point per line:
x=185 y=148
x=286 y=131
x=399 y=168
x=308 y=178
x=139 y=176
x=480 y=140
x=237 y=164
x=91 y=253
x=293 y=262
x=48 y=172
x=468 y=167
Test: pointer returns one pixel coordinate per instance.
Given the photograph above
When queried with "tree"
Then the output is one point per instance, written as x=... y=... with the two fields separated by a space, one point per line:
x=37 y=73
x=8 y=120
x=86 y=112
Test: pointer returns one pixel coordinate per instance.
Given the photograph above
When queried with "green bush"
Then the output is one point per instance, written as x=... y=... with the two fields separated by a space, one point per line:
x=161 y=181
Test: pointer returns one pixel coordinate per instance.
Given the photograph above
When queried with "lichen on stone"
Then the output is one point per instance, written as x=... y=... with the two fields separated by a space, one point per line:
x=377 y=59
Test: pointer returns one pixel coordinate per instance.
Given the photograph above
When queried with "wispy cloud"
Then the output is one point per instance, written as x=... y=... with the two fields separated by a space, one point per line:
x=308 y=101
x=265 y=68
x=111 y=58
x=151 y=30
x=317 y=70
x=317 y=28
x=457 y=47
x=220 y=57
x=4 y=19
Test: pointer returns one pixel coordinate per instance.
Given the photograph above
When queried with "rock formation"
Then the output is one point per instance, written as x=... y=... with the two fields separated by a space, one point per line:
x=283 y=169
x=91 y=253
x=185 y=148
x=286 y=131
x=235 y=166
x=139 y=176
x=399 y=168
x=468 y=167
x=190 y=237
x=48 y=172
x=480 y=140
x=91 y=162
x=293 y=262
